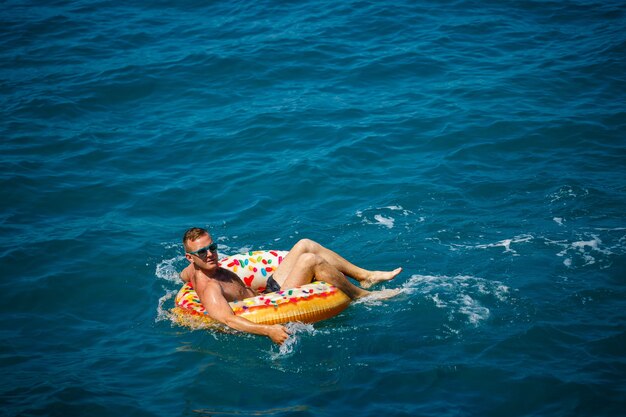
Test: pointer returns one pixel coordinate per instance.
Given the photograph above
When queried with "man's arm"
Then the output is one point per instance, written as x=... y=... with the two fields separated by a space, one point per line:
x=212 y=298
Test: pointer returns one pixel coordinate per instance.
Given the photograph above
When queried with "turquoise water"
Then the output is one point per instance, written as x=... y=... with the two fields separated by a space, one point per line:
x=479 y=145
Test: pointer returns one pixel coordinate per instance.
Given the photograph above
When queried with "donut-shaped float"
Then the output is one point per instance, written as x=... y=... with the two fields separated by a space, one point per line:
x=307 y=304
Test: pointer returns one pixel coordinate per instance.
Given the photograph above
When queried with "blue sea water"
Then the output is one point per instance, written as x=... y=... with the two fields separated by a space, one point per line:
x=479 y=145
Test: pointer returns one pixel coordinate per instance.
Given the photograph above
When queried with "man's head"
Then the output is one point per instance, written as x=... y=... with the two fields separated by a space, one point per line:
x=200 y=248
x=193 y=234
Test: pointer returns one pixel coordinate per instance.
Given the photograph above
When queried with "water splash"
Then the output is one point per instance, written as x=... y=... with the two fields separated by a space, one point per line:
x=164 y=314
x=376 y=298
x=293 y=342
x=166 y=269
x=465 y=298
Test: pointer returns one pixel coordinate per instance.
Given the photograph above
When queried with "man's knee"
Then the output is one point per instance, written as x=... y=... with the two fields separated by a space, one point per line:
x=309 y=260
x=306 y=245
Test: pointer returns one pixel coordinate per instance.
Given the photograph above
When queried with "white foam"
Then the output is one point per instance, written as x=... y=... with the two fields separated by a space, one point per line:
x=587 y=250
x=568 y=192
x=517 y=239
x=166 y=269
x=502 y=292
x=385 y=221
x=376 y=298
x=163 y=313
x=459 y=295
x=558 y=220
x=593 y=244
x=505 y=243
x=438 y=302
x=382 y=216
x=474 y=311
x=399 y=208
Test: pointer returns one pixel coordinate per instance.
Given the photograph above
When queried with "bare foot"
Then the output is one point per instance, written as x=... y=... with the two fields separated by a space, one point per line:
x=379 y=276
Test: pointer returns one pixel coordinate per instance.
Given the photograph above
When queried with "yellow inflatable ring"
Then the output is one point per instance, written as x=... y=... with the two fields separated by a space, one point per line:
x=307 y=304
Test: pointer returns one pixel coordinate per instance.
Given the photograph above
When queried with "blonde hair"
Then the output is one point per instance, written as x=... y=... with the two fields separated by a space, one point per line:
x=193 y=234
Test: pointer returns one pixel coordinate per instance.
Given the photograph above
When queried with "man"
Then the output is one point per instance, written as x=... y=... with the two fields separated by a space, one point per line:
x=306 y=261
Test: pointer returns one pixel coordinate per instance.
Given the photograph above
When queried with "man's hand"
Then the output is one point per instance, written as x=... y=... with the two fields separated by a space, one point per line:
x=278 y=333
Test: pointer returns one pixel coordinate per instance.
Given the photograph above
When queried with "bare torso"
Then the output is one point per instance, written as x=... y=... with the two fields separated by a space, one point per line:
x=232 y=286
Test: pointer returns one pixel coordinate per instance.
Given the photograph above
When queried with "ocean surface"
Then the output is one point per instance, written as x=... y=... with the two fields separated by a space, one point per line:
x=480 y=145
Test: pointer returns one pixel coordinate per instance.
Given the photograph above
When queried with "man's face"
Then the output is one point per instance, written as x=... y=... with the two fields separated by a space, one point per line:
x=199 y=252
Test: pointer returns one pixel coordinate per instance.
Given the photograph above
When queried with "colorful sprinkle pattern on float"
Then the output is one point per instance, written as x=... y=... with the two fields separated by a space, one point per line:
x=254 y=267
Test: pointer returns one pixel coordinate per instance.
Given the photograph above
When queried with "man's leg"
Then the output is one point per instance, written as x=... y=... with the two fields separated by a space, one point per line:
x=309 y=266
x=365 y=277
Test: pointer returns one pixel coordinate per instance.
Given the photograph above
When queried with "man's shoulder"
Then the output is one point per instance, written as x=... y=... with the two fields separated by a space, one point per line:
x=203 y=282
x=185 y=274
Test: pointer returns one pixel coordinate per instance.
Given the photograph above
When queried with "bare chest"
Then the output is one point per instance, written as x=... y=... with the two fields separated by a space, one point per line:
x=236 y=290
